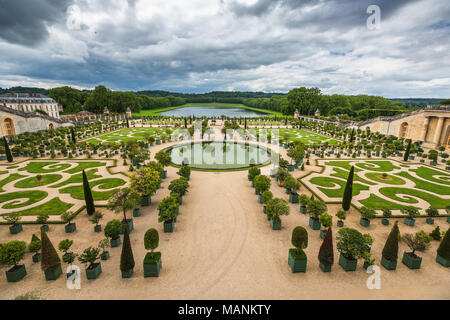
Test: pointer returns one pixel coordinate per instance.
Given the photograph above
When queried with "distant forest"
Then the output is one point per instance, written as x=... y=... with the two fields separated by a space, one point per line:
x=307 y=100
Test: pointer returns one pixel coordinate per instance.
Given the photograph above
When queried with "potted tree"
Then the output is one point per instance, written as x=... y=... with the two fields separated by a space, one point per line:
x=35 y=247
x=276 y=208
x=293 y=185
x=366 y=215
x=95 y=219
x=12 y=218
x=145 y=182
x=179 y=186
x=262 y=183
x=164 y=159
x=304 y=200
x=42 y=219
x=431 y=212
x=326 y=220
x=351 y=244
x=10 y=255
x=50 y=262
x=121 y=201
x=64 y=246
x=252 y=173
x=266 y=197
x=126 y=257
x=411 y=213
x=67 y=217
x=419 y=241
x=90 y=255
x=112 y=230
x=387 y=213
x=104 y=244
x=315 y=208
x=390 y=250
x=185 y=171
x=297 y=259
x=341 y=215
x=443 y=251
x=152 y=260
x=368 y=260
x=326 y=254
x=168 y=208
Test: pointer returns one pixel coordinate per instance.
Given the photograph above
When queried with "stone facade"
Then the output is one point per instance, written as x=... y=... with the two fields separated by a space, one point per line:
x=30 y=102
x=430 y=125
x=14 y=122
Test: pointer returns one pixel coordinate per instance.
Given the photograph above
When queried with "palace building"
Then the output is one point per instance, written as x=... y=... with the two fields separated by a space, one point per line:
x=30 y=102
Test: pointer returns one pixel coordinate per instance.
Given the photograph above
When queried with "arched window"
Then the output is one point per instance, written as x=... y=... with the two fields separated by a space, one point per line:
x=403 y=130
x=9 y=127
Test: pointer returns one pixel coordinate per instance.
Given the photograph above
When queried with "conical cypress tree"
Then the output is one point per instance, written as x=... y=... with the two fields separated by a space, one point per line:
x=407 y=152
x=128 y=123
x=72 y=132
x=50 y=259
x=245 y=123
x=185 y=122
x=390 y=250
x=326 y=255
x=444 y=247
x=126 y=258
x=352 y=135
x=348 y=192
x=7 y=150
x=88 y=195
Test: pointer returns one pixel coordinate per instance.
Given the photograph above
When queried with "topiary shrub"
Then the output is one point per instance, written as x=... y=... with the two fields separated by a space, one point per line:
x=444 y=246
x=390 y=250
x=151 y=240
x=326 y=254
x=126 y=257
x=50 y=260
x=299 y=239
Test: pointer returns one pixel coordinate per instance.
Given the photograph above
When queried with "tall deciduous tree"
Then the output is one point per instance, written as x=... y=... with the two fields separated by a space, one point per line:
x=348 y=191
x=88 y=195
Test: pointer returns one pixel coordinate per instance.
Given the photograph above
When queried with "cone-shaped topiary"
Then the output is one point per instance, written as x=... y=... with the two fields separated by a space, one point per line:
x=444 y=247
x=126 y=258
x=50 y=259
x=7 y=151
x=326 y=255
x=348 y=192
x=88 y=195
x=390 y=250
x=408 y=151
x=74 y=139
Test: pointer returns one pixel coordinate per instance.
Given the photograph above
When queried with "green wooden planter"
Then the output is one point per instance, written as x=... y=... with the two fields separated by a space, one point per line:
x=303 y=209
x=169 y=226
x=260 y=199
x=366 y=265
x=340 y=223
x=127 y=274
x=443 y=261
x=97 y=228
x=53 y=274
x=71 y=227
x=129 y=224
x=264 y=209
x=347 y=264
x=16 y=273
x=409 y=222
x=164 y=175
x=297 y=262
x=105 y=255
x=314 y=224
x=293 y=198
x=287 y=191
x=290 y=167
x=322 y=233
x=410 y=261
x=364 y=222
x=448 y=219
x=253 y=184
x=16 y=228
x=36 y=257
x=324 y=268
x=115 y=242
x=136 y=212
x=45 y=227
x=152 y=267
x=145 y=201
x=430 y=220
x=276 y=225
x=94 y=270
x=385 y=221
x=388 y=264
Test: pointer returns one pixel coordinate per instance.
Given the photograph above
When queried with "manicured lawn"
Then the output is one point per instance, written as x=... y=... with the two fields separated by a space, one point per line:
x=343 y=174
x=11 y=177
x=377 y=203
x=52 y=207
x=429 y=174
x=425 y=185
x=83 y=165
x=328 y=182
x=407 y=196
x=389 y=179
x=78 y=178
x=38 y=166
x=32 y=196
x=377 y=165
x=76 y=192
x=33 y=182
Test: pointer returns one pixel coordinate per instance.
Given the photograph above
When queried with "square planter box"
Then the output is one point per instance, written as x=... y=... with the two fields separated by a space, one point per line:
x=260 y=199
x=340 y=223
x=411 y=261
x=94 y=270
x=145 y=201
x=303 y=209
x=97 y=228
x=409 y=222
x=164 y=175
x=364 y=222
x=127 y=274
x=385 y=221
x=136 y=212
x=36 y=257
x=71 y=227
x=152 y=267
x=314 y=224
x=293 y=198
x=105 y=255
x=347 y=264
x=366 y=265
x=45 y=227
x=388 y=264
x=324 y=268
x=430 y=220
x=297 y=262
x=443 y=261
x=169 y=226
x=16 y=273
x=115 y=242
x=276 y=225
x=290 y=167
x=448 y=219
x=322 y=233
x=15 y=229
x=129 y=225
x=53 y=274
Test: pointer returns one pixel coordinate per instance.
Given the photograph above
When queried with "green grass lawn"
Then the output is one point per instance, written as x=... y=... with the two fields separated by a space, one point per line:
x=77 y=192
x=38 y=166
x=434 y=201
x=11 y=177
x=52 y=207
x=78 y=178
x=429 y=174
x=328 y=182
x=33 y=182
x=426 y=185
x=33 y=196
x=389 y=179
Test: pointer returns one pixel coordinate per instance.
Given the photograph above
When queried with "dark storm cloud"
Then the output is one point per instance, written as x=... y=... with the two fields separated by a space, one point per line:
x=23 y=21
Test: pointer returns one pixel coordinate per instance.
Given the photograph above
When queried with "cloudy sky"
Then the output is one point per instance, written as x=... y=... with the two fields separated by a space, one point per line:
x=246 y=45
